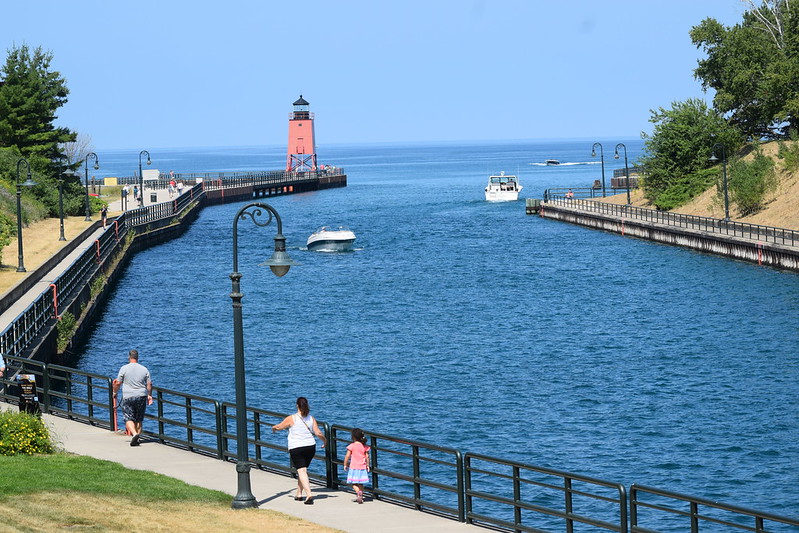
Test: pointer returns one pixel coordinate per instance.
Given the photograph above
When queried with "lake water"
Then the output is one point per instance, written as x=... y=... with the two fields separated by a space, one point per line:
x=469 y=324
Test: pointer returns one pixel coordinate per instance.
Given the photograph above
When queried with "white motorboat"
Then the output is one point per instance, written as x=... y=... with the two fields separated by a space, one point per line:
x=329 y=239
x=502 y=188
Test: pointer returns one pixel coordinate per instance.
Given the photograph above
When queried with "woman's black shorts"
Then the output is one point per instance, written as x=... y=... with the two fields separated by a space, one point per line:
x=301 y=457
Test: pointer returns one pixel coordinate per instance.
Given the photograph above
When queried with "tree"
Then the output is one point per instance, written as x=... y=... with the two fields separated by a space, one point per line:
x=754 y=67
x=75 y=151
x=676 y=156
x=30 y=95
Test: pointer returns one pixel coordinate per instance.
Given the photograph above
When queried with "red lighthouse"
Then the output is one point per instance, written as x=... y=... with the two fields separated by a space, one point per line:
x=301 y=154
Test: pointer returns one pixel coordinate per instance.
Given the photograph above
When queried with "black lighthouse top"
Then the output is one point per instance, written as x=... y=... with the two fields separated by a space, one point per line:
x=301 y=109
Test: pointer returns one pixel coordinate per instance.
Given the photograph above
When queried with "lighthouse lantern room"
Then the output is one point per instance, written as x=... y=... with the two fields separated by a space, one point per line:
x=301 y=154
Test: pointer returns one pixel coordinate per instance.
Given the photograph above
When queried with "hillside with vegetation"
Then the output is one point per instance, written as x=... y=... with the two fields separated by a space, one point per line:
x=779 y=204
x=753 y=67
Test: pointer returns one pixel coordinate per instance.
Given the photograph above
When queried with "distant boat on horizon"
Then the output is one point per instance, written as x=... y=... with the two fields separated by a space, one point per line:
x=552 y=162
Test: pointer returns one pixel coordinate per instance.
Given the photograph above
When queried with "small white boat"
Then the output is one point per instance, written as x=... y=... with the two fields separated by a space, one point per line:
x=328 y=239
x=502 y=188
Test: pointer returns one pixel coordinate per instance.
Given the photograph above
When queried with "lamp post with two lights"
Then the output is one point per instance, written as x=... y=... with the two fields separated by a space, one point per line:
x=261 y=214
x=86 y=179
x=626 y=169
x=28 y=183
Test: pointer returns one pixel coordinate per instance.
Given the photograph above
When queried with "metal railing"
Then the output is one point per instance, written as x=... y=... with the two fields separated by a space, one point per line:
x=719 y=226
x=468 y=487
x=540 y=496
x=414 y=473
x=260 y=177
x=688 y=513
x=271 y=456
x=580 y=192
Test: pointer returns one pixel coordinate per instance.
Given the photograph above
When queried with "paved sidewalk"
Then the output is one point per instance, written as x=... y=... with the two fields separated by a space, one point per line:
x=332 y=508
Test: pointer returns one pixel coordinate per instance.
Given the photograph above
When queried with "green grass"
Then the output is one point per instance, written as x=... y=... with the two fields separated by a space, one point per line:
x=62 y=472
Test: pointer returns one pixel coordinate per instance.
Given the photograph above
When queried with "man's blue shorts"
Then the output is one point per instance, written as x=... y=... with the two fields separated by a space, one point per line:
x=133 y=408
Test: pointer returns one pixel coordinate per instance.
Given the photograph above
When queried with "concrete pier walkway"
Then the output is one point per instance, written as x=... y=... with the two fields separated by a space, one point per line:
x=332 y=508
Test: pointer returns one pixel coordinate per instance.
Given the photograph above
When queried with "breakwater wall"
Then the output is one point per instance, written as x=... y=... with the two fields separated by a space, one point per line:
x=83 y=286
x=764 y=245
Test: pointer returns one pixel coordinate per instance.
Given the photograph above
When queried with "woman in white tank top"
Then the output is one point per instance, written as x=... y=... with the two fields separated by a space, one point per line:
x=302 y=445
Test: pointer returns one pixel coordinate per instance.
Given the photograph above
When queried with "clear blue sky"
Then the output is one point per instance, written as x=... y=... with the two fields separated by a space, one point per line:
x=147 y=74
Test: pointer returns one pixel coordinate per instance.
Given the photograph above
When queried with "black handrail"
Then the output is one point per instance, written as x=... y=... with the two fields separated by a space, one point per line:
x=563 y=498
x=782 y=236
x=419 y=488
x=701 y=512
x=422 y=475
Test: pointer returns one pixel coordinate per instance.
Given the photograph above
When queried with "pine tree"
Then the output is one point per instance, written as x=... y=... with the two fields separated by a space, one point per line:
x=30 y=95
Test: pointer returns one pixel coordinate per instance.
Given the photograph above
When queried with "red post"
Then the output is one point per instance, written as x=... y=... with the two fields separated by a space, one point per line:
x=97 y=250
x=55 y=302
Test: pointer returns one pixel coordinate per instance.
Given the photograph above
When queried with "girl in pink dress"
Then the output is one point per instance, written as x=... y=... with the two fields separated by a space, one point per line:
x=358 y=460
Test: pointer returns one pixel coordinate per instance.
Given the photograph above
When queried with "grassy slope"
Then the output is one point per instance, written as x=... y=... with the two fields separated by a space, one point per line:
x=782 y=207
x=67 y=492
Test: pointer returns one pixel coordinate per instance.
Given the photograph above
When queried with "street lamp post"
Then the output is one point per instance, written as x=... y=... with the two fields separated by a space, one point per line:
x=602 y=159
x=141 y=177
x=713 y=158
x=28 y=183
x=626 y=169
x=60 y=181
x=279 y=263
x=86 y=179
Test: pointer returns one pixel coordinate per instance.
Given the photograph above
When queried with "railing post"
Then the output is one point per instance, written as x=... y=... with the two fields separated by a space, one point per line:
x=459 y=473
x=375 y=475
x=567 y=493
x=69 y=398
x=46 y=388
x=112 y=414
x=417 y=489
x=331 y=472
x=517 y=497
x=467 y=488
x=694 y=517
x=189 y=430
x=159 y=395
x=256 y=421
x=90 y=397
x=220 y=453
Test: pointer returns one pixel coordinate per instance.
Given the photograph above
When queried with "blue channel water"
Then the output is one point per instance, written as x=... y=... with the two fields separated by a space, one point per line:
x=469 y=324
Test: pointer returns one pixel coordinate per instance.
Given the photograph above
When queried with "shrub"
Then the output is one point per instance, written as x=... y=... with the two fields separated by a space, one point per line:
x=97 y=285
x=23 y=434
x=65 y=327
x=749 y=182
x=789 y=153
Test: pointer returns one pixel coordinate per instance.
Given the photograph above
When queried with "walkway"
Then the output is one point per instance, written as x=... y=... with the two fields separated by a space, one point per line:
x=333 y=508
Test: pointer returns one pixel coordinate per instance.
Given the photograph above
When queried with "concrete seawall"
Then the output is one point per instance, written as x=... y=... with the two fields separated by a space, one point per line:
x=742 y=248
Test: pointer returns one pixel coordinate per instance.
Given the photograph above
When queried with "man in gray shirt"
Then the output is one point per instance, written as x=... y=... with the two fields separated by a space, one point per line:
x=137 y=394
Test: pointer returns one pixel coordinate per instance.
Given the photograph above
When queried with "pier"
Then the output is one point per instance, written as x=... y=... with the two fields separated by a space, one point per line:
x=764 y=245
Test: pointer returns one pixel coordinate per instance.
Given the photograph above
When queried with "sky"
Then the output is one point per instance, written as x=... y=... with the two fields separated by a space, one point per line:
x=172 y=73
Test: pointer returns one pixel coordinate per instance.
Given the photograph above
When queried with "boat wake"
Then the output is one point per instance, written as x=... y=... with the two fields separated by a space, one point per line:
x=566 y=164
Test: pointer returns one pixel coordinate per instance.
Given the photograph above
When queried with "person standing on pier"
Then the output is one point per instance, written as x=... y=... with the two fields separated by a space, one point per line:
x=137 y=394
x=357 y=459
x=302 y=445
